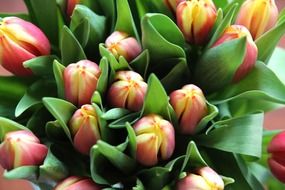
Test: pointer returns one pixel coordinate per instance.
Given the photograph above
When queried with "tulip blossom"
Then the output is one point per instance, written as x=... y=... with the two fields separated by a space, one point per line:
x=85 y=128
x=21 y=148
x=258 y=16
x=190 y=107
x=20 y=41
x=204 y=179
x=235 y=32
x=127 y=91
x=196 y=19
x=121 y=44
x=77 y=183
x=276 y=162
x=155 y=139
x=80 y=81
x=70 y=6
x=172 y=4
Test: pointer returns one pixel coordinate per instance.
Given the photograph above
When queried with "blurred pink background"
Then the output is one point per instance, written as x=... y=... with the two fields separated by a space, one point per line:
x=273 y=120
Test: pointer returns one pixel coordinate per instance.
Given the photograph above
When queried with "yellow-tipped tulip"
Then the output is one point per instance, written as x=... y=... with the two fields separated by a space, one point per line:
x=258 y=16
x=190 y=107
x=155 y=139
x=196 y=19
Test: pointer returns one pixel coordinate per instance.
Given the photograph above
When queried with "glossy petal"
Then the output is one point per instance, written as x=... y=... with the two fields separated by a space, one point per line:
x=212 y=178
x=193 y=182
x=277 y=169
x=77 y=183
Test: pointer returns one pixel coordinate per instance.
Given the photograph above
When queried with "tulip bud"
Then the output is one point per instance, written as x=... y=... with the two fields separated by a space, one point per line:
x=120 y=44
x=21 y=148
x=172 y=4
x=196 y=19
x=85 y=128
x=204 y=179
x=20 y=41
x=128 y=91
x=155 y=139
x=77 y=183
x=190 y=107
x=235 y=32
x=70 y=6
x=80 y=81
x=258 y=16
x=276 y=162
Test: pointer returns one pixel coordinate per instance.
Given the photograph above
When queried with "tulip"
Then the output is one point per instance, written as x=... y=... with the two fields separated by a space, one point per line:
x=85 y=128
x=120 y=44
x=21 y=148
x=80 y=81
x=258 y=16
x=70 y=6
x=190 y=107
x=128 y=91
x=155 y=139
x=77 y=183
x=276 y=162
x=235 y=32
x=20 y=41
x=204 y=179
x=196 y=19
x=172 y=4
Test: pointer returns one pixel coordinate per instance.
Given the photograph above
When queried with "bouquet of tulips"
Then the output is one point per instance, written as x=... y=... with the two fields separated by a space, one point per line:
x=142 y=94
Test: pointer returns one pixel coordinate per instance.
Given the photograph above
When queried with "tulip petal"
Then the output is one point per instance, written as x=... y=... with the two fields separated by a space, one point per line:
x=193 y=182
x=277 y=169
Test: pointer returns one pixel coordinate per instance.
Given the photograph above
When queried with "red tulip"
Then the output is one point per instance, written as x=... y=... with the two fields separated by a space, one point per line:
x=196 y=19
x=20 y=41
x=155 y=139
x=21 y=148
x=121 y=44
x=70 y=6
x=77 y=183
x=128 y=91
x=190 y=107
x=80 y=81
x=85 y=128
x=235 y=32
x=258 y=16
x=276 y=162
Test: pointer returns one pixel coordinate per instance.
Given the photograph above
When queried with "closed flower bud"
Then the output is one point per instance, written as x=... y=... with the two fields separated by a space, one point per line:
x=21 y=148
x=276 y=162
x=190 y=107
x=235 y=32
x=20 y=41
x=155 y=139
x=121 y=44
x=204 y=179
x=127 y=91
x=77 y=183
x=172 y=4
x=196 y=19
x=258 y=16
x=85 y=128
x=70 y=6
x=80 y=81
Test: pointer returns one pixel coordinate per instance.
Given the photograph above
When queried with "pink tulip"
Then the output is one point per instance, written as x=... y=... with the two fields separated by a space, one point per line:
x=70 y=6
x=77 y=183
x=20 y=41
x=276 y=162
x=172 y=4
x=190 y=107
x=121 y=44
x=155 y=139
x=128 y=91
x=196 y=19
x=21 y=148
x=204 y=179
x=80 y=81
x=235 y=32
x=258 y=16
x=85 y=128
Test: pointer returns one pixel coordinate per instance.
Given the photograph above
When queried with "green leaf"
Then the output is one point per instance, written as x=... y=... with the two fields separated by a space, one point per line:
x=132 y=140
x=121 y=122
x=103 y=79
x=268 y=41
x=41 y=66
x=58 y=75
x=140 y=63
x=54 y=131
x=220 y=3
x=115 y=113
x=154 y=178
x=276 y=63
x=7 y=125
x=242 y=135
x=23 y=172
x=125 y=20
x=260 y=83
x=23 y=16
x=71 y=49
x=44 y=14
x=61 y=110
x=82 y=32
x=156 y=99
